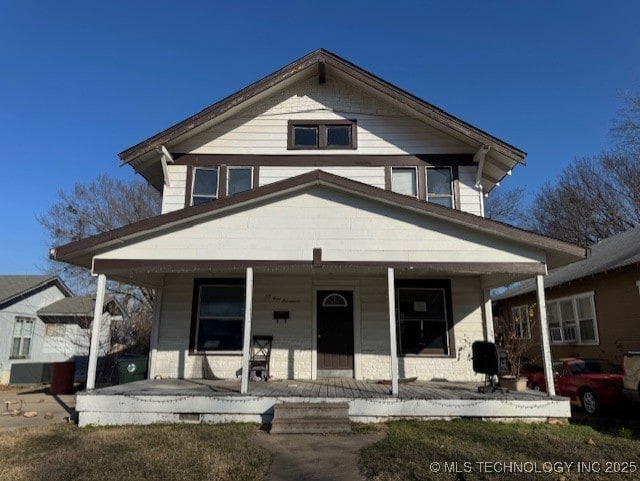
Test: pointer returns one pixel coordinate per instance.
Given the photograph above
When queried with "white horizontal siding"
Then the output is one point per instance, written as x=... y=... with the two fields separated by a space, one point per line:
x=292 y=339
x=346 y=227
x=173 y=195
x=292 y=352
x=466 y=297
x=469 y=195
x=262 y=129
x=367 y=175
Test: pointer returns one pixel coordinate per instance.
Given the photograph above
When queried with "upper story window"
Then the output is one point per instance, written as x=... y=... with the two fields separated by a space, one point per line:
x=239 y=179
x=572 y=320
x=205 y=185
x=404 y=180
x=22 y=336
x=321 y=134
x=436 y=186
x=439 y=186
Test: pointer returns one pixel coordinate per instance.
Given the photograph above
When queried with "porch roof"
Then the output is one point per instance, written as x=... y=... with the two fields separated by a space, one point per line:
x=500 y=248
x=104 y=252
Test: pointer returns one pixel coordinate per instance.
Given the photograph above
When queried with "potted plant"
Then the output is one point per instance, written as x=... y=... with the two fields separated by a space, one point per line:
x=514 y=337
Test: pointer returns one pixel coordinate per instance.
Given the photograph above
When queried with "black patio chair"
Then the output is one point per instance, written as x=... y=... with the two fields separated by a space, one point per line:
x=260 y=358
x=486 y=360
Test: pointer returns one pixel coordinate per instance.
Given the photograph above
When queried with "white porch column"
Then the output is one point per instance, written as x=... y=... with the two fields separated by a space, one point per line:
x=393 y=348
x=95 y=332
x=155 y=332
x=544 y=332
x=489 y=334
x=246 y=346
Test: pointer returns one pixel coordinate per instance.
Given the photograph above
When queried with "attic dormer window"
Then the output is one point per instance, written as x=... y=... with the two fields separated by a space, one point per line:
x=321 y=134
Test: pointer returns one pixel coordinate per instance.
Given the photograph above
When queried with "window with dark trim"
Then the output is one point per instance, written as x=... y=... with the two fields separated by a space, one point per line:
x=404 y=180
x=440 y=186
x=217 y=318
x=424 y=318
x=321 y=134
x=205 y=185
x=239 y=179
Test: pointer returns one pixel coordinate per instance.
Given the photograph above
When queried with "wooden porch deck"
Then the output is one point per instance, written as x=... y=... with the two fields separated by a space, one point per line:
x=179 y=400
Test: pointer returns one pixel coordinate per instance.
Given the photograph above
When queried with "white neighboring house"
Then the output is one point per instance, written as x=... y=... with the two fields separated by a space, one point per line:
x=41 y=323
x=331 y=210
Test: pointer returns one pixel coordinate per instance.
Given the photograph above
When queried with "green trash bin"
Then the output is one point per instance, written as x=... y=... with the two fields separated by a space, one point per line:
x=132 y=369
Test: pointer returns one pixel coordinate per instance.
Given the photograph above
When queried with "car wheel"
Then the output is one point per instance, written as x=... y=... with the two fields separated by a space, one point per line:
x=589 y=402
x=535 y=387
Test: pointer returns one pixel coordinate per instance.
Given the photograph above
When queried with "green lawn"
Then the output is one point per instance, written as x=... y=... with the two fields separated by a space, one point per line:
x=475 y=450
x=180 y=452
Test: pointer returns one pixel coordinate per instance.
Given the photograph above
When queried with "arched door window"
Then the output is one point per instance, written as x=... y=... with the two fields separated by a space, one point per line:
x=334 y=300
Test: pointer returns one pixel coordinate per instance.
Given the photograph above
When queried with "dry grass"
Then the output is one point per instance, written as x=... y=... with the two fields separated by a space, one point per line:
x=178 y=452
x=412 y=447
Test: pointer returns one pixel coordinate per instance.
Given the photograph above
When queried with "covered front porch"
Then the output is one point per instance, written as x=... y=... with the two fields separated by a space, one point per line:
x=218 y=401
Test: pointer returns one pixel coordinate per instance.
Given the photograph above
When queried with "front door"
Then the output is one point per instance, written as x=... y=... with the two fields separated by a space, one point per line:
x=335 y=333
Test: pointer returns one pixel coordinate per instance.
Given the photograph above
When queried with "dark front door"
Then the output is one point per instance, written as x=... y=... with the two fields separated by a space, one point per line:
x=335 y=331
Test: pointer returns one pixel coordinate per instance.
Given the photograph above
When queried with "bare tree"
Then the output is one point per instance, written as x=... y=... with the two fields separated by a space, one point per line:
x=97 y=207
x=506 y=206
x=594 y=198
x=626 y=126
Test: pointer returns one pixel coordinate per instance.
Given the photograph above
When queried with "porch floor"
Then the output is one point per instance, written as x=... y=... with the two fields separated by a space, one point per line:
x=207 y=401
x=322 y=388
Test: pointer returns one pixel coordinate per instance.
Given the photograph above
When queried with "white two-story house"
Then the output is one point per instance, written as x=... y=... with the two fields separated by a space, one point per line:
x=331 y=210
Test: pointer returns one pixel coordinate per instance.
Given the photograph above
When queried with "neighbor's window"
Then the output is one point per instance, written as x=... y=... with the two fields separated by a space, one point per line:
x=239 y=179
x=423 y=321
x=572 y=320
x=439 y=190
x=520 y=316
x=324 y=134
x=54 y=330
x=219 y=316
x=205 y=185
x=22 y=336
x=404 y=181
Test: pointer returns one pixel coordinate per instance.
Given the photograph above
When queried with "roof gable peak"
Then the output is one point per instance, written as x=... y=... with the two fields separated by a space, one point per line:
x=320 y=57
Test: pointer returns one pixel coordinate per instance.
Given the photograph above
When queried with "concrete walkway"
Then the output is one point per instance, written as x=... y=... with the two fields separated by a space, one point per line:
x=48 y=408
x=316 y=457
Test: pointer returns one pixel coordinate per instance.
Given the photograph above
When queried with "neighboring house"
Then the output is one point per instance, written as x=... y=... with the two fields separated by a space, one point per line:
x=68 y=322
x=329 y=209
x=593 y=306
x=41 y=323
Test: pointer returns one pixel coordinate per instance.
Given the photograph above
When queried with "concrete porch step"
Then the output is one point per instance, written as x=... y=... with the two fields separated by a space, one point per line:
x=310 y=418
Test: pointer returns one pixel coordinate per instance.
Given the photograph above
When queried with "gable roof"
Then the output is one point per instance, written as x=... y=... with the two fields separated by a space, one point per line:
x=16 y=287
x=70 y=306
x=612 y=253
x=143 y=157
x=82 y=251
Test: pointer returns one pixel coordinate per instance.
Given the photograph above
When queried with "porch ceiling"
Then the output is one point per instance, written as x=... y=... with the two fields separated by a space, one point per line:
x=151 y=272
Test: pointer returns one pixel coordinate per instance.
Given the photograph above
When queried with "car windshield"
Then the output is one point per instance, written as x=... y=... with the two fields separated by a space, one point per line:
x=593 y=366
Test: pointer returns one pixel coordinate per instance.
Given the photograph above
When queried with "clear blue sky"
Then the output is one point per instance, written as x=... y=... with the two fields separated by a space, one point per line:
x=81 y=81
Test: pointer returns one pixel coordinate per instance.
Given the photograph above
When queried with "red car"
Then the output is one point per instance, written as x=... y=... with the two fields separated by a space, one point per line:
x=592 y=383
